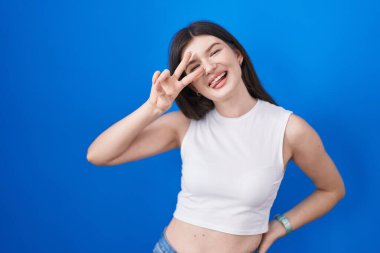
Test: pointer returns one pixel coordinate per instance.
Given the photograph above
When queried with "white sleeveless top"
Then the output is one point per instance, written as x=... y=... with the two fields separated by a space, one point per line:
x=232 y=169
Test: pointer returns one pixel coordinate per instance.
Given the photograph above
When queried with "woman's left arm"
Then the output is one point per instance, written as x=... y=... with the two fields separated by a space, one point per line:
x=309 y=155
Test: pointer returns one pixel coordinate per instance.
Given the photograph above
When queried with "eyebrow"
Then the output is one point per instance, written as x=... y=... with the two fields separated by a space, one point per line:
x=208 y=49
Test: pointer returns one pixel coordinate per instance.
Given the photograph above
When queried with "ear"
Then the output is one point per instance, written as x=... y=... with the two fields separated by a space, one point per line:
x=239 y=56
x=241 y=60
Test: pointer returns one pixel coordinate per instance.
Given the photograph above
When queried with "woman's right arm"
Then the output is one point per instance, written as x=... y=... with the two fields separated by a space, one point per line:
x=145 y=132
x=118 y=139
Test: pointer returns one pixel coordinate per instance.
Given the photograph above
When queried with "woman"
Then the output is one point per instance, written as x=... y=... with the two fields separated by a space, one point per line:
x=235 y=144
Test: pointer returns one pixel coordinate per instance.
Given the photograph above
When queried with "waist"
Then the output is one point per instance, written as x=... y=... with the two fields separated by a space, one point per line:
x=186 y=237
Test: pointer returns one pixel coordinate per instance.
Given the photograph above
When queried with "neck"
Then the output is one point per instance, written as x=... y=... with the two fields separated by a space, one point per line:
x=239 y=103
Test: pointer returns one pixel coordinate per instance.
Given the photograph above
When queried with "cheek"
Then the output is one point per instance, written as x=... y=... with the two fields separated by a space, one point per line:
x=201 y=80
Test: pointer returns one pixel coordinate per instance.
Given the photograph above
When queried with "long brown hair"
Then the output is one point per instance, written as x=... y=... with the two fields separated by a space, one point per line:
x=193 y=106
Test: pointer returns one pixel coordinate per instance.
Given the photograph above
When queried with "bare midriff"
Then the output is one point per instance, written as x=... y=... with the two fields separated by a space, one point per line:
x=189 y=238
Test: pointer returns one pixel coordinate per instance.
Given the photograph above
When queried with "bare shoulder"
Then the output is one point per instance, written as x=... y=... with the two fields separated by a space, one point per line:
x=298 y=130
x=309 y=154
x=179 y=123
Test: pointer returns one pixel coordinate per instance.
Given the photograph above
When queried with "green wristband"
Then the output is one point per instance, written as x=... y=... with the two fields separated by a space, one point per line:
x=284 y=221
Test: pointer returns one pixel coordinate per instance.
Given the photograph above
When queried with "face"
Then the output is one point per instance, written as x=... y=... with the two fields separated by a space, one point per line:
x=216 y=57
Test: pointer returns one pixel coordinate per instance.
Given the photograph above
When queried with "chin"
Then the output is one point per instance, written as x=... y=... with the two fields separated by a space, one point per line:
x=222 y=93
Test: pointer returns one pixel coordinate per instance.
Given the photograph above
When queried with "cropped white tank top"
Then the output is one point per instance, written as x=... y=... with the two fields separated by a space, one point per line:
x=232 y=169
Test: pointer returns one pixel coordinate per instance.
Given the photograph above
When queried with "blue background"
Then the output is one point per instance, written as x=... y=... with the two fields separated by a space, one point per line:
x=70 y=69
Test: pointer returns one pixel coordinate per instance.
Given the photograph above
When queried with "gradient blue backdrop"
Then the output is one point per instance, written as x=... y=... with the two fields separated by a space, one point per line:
x=70 y=69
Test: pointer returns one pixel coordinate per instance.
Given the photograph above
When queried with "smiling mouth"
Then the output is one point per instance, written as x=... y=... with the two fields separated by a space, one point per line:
x=214 y=83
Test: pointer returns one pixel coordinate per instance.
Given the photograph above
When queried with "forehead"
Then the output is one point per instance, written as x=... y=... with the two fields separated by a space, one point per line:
x=199 y=43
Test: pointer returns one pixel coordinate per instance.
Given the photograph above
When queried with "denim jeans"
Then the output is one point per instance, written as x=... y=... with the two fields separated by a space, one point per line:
x=163 y=245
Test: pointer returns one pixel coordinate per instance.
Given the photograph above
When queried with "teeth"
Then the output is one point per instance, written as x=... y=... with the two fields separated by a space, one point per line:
x=217 y=79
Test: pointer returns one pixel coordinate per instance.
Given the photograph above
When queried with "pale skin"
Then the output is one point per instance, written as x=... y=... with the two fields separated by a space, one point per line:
x=148 y=131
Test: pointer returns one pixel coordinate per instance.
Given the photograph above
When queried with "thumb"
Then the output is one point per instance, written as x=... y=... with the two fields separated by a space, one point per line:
x=265 y=244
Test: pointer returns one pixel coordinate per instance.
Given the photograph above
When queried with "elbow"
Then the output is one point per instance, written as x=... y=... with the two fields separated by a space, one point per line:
x=336 y=194
x=91 y=158
x=341 y=192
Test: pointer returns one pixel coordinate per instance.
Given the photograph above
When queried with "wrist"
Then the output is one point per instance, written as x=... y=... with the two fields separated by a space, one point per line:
x=285 y=224
x=277 y=230
x=153 y=108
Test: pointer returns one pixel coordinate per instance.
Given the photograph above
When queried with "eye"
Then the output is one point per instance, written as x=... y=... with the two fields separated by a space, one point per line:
x=211 y=54
x=215 y=51
x=194 y=68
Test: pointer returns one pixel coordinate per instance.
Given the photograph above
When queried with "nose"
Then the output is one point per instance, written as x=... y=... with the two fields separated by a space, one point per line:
x=209 y=67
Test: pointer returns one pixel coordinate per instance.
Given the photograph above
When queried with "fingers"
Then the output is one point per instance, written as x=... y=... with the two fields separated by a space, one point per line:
x=155 y=76
x=160 y=81
x=158 y=88
x=182 y=65
x=193 y=76
x=165 y=74
x=157 y=85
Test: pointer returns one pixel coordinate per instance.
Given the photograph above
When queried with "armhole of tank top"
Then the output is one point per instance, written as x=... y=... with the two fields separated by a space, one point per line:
x=185 y=137
x=284 y=123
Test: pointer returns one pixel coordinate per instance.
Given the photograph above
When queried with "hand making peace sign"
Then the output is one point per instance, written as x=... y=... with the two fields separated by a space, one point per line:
x=165 y=88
